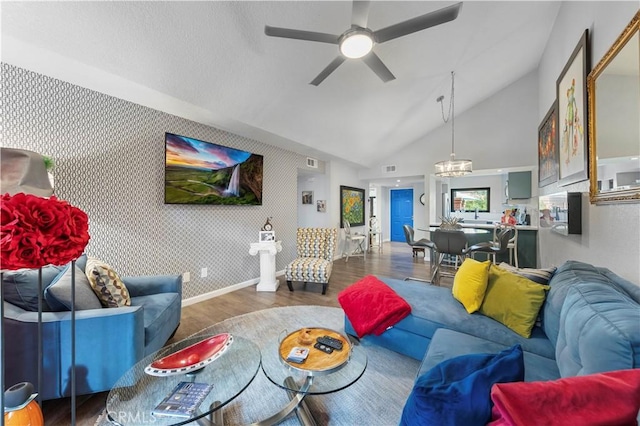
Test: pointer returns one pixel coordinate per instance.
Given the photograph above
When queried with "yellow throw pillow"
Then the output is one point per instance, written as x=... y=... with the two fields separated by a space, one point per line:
x=470 y=284
x=106 y=284
x=513 y=300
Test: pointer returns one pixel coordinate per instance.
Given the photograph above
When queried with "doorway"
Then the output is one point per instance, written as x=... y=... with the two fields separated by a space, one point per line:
x=401 y=212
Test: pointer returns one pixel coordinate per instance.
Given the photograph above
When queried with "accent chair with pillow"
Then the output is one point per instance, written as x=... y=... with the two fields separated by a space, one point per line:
x=109 y=341
x=314 y=262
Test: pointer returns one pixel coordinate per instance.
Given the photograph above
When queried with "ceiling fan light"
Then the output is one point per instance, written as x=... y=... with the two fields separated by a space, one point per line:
x=356 y=45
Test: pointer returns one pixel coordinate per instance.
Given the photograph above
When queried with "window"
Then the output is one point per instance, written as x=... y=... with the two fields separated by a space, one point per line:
x=470 y=199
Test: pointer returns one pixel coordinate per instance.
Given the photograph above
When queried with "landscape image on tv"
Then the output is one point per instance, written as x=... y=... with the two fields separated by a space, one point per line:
x=199 y=172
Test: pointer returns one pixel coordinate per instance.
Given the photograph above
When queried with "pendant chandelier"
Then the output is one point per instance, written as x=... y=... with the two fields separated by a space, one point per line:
x=451 y=167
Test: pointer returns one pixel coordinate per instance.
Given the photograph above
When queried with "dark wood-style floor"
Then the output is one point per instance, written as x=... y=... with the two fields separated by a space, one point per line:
x=395 y=261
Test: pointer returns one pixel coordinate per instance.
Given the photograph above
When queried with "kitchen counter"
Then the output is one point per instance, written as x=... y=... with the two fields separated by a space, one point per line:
x=491 y=226
x=527 y=243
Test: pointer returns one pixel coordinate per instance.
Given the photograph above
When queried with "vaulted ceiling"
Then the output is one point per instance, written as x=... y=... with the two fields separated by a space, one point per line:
x=215 y=57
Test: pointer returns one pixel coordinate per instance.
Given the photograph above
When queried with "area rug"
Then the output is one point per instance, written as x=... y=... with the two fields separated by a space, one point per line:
x=376 y=399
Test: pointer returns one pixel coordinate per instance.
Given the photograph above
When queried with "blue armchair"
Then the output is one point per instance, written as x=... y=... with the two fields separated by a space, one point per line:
x=109 y=341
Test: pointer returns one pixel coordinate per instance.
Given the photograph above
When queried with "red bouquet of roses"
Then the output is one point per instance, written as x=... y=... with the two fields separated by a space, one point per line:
x=36 y=231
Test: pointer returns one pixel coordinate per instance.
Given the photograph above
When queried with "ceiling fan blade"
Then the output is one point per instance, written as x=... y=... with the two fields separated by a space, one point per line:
x=360 y=13
x=418 y=23
x=301 y=35
x=328 y=70
x=375 y=63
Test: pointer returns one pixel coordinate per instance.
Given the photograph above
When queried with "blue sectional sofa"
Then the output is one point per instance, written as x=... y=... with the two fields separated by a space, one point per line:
x=109 y=341
x=590 y=323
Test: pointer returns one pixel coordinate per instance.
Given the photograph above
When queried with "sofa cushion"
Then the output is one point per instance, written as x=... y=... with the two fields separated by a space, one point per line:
x=58 y=294
x=448 y=344
x=470 y=284
x=513 y=300
x=457 y=391
x=20 y=288
x=158 y=311
x=599 y=331
x=598 y=399
x=107 y=284
x=433 y=307
x=572 y=273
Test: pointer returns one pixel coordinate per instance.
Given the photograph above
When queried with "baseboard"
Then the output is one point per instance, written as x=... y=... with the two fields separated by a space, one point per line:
x=221 y=291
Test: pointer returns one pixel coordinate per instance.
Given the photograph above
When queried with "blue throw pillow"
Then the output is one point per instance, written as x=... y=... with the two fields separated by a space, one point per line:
x=20 y=288
x=458 y=391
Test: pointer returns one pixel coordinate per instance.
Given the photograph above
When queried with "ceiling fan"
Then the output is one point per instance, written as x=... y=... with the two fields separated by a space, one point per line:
x=358 y=41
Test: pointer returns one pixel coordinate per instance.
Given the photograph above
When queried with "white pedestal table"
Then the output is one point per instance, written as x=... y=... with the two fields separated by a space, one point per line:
x=268 y=251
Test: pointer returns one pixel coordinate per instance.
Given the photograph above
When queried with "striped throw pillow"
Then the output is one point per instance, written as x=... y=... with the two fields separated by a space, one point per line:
x=540 y=276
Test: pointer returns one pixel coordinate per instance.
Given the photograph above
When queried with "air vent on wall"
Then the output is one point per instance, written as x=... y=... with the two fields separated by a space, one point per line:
x=312 y=162
x=388 y=169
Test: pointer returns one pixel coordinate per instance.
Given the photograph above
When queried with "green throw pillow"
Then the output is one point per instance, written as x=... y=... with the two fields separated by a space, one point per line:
x=513 y=300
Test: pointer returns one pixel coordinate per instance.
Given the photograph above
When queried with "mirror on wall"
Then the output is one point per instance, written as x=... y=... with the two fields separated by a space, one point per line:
x=613 y=88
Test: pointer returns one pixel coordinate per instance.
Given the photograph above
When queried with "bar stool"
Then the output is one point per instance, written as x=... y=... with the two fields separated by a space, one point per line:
x=513 y=241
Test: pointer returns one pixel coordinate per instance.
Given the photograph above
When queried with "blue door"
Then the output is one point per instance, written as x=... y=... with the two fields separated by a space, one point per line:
x=401 y=212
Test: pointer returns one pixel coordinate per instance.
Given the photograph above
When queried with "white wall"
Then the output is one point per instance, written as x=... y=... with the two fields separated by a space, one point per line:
x=308 y=214
x=501 y=129
x=611 y=233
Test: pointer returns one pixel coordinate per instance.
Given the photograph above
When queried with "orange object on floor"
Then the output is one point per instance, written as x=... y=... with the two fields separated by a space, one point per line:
x=30 y=415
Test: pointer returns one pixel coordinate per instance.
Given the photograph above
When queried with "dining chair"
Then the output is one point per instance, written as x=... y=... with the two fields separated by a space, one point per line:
x=448 y=243
x=354 y=244
x=420 y=245
x=492 y=248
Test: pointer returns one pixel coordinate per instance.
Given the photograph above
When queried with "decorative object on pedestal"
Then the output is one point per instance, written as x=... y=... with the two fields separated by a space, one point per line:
x=267 y=225
x=35 y=232
x=21 y=409
x=267 y=236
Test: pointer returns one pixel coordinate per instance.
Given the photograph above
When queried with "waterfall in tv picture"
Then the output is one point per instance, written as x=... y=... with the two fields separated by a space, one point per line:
x=234 y=187
x=199 y=172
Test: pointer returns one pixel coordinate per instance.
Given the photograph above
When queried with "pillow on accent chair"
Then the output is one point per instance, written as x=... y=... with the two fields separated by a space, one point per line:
x=457 y=391
x=611 y=398
x=58 y=294
x=106 y=284
x=513 y=300
x=470 y=284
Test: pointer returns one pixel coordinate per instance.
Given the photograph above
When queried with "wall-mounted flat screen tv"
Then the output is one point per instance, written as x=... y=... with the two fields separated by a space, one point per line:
x=199 y=172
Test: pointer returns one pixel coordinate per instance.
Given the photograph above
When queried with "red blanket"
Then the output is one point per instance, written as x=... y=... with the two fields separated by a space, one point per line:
x=372 y=306
x=597 y=399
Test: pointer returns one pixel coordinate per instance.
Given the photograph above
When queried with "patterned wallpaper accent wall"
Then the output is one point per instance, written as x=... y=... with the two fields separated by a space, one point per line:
x=109 y=156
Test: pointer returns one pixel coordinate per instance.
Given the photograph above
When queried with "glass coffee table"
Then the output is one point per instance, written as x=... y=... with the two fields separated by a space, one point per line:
x=319 y=374
x=136 y=394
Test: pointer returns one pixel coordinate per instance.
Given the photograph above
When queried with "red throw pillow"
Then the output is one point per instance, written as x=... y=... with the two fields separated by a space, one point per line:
x=611 y=398
x=372 y=306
